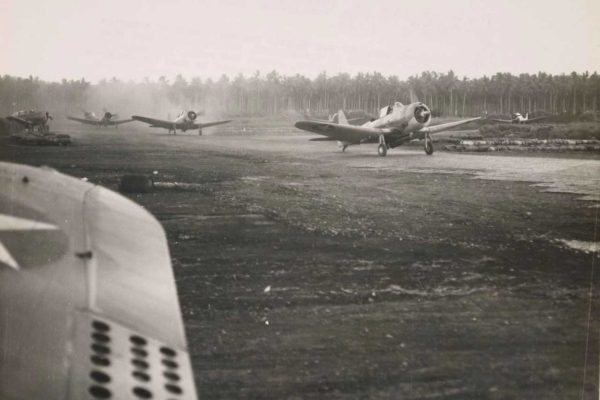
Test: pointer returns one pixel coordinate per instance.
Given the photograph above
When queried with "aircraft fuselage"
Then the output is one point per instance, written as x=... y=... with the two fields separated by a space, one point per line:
x=405 y=118
x=520 y=119
x=184 y=121
x=35 y=119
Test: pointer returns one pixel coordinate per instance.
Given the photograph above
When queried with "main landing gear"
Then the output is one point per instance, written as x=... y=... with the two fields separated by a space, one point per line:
x=383 y=147
x=428 y=145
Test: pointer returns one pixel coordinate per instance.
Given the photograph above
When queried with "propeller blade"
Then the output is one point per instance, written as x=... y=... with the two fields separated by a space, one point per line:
x=413 y=96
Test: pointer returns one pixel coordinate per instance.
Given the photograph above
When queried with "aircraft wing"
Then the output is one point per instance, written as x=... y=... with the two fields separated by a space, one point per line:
x=85 y=121
x=155 y=122
x=88 y=303
x=504 y=121
x=530 y=120
x=20 y=121
x=343 y=133
x=443 y=127
x=207 y=124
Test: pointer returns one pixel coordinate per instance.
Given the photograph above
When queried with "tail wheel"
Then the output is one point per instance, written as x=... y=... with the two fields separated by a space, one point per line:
x=382 y=150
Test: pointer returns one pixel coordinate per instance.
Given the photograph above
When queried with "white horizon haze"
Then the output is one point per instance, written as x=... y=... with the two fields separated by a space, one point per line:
x=134 y=40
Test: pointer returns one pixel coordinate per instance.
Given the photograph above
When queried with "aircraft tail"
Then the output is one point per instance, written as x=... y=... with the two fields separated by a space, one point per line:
x=526 y=115
x=342 y=120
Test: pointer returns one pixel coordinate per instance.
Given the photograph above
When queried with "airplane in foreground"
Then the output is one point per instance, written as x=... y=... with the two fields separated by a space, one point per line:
x=31 y=119
x=88 y=302
x=183 y=122
x=517 y=118
x=396 y=125
x=107 y=119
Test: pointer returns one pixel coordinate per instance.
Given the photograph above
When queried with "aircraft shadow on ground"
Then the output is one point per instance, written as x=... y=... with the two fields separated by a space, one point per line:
x=349 y=155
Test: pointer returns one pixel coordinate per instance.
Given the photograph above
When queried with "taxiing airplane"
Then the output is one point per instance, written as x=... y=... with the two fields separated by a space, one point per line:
x=396 y=125
x=106 y=120
x=517 y=118
x=31 y=119
x=183 y=122
x=88 y=302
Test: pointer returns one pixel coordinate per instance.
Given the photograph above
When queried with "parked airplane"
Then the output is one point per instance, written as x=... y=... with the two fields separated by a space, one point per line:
x=396 y=125
x=88 y=302
x=184 y=121
x=107 y=120
x=517 y=118
x=31 y=119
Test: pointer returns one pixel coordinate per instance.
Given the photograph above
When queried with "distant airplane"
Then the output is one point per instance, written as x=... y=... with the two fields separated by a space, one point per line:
x=30 y=119
x=107 y=120
x=184 y=121
x=88 y=302
x=517 y=118
x=396 y=125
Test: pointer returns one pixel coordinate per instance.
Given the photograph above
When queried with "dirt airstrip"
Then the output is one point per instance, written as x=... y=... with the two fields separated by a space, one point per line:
x=304 y=272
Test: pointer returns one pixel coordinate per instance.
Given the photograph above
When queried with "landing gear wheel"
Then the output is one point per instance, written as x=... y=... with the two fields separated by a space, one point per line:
x=382 y=150
x=428 y=146
x=199 y=132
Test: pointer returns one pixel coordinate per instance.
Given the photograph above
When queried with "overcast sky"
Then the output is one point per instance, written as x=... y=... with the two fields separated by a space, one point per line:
x=137 y=39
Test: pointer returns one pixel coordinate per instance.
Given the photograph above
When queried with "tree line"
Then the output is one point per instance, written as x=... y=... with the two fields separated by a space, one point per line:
x=271 y=94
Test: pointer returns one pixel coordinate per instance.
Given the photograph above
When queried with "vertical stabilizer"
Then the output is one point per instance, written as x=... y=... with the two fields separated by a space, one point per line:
x=342 y=118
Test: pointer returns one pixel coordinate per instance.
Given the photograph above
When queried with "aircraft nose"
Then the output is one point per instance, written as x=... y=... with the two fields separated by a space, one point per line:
x=422 y=114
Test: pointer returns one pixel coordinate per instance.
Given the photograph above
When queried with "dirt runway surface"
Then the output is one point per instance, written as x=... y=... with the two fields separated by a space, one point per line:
x=305 y=272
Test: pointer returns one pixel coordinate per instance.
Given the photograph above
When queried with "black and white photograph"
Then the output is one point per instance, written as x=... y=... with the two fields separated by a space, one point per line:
x=299 y=199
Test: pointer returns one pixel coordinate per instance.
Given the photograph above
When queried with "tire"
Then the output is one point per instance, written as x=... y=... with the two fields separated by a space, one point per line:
x=428 y=147
x=382 y=150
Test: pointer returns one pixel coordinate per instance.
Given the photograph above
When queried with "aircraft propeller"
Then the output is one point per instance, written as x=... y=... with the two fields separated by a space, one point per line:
x=422 y=114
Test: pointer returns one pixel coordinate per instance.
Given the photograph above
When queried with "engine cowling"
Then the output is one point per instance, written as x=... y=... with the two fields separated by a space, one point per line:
x=422 y=114
x=192 y=115
x=107 y=115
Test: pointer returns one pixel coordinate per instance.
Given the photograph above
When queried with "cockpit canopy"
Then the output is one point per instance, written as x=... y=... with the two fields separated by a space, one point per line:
x=388 y=109
x=385 y=111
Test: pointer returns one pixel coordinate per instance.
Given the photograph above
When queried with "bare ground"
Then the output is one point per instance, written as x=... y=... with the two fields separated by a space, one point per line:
x=304 y=272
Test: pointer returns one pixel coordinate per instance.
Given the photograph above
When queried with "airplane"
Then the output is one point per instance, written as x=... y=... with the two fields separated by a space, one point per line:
x=30 y=119
x=517 y=118
x=107 y=120
x=184 y=121
x=396 y=125
x=88 y=307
